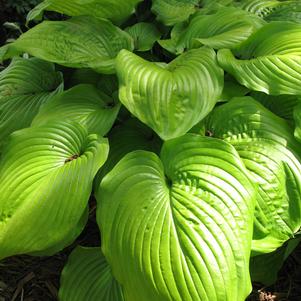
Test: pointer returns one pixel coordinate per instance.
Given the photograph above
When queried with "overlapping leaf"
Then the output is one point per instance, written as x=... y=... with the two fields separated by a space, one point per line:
x=87 y=276
x=114 y=10
x=265 y=268
x=173 y=11
x=170 y=98
x=181 y=225
x=227 y=28
x=144 y=35
x=25 y=85
x=81 y=42
x=267 y=146
x=270 y=60
x=46 y=176
x=84 y=104
x=281 y=105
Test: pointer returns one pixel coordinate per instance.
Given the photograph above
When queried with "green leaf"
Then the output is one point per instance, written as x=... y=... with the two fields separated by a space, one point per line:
x=144 y=34
x=274 y=10
x=171 y=12
x=270 y=60
x=114 y=10
x=180 y=226
x=170 y=98
x=265 y=268
x=262 y=8
x=46 y=176
x=126 y=137
x=81 y=42
x=83 y=104
x=25 y=85
x=87 y=276
x=281 y=105
x=267 y=146
x=227 y=28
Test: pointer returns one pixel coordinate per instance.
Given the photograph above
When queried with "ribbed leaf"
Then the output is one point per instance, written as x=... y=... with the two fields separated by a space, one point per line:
x=264 y=268
x=174 y=11
x=267 y=146
x=87 y=276
x=181 y=226
x=170 y=98
x=25 y=85
x=281 y=105
x=84 y=104
x=232 y=89
x=46 y=176
x=274 y=10
x=144 y=34
x=270 y=60
x=262 y=8
x=227 y=28
x=81 y=42
x=114 y=10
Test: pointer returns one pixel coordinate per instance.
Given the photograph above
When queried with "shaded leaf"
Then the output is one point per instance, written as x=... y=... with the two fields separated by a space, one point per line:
x=87 y=276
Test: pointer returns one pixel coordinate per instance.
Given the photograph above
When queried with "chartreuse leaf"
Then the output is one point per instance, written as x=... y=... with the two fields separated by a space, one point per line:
x=179 y=225
x=281 y=105
x=171 y=12
x=25 y=85
x=144 y=34
x=170 y=98
x=265 y=268
x=270 y=59
x=267 y=146
x=84 y=104
x=46 y=176
x=227 y=28
x=81 y=42
x=114 y=10
x=88 y=276
x=126 y=137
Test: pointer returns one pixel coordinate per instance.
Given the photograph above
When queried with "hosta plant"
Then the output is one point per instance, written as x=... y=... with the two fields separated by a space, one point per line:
x=179 y=119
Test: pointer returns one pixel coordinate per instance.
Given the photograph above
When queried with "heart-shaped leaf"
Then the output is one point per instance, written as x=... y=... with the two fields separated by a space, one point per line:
x=87 y=276
x=181 y=226
x=46 y=176
x=170 y=98
x=266 y=144
x=80 y=42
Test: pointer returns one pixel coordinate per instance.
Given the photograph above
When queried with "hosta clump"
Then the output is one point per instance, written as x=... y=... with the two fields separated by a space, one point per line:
x=200 y=103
